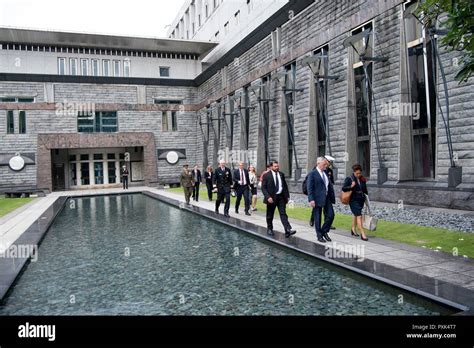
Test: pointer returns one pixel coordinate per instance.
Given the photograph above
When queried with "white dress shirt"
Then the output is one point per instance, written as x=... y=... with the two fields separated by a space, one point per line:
x=280 y=184
x=324 y=177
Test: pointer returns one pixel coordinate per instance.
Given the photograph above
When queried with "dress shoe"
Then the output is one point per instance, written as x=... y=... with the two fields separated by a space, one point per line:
x=217 y=211
x=326 y=236
x=311 y=222
x=354 y=233
x=247 y=213
x=364 y=239
x=270 y=232
x=236 y=211
x=333 y=228
x=289 y=233
x=226 y=215
x=320 y=239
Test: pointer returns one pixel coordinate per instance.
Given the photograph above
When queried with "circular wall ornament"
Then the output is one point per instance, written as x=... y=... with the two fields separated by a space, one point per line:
x=172 y=157
x=16 y=163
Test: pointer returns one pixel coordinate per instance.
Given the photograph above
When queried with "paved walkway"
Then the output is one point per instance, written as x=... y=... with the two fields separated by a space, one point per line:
x=443 y=268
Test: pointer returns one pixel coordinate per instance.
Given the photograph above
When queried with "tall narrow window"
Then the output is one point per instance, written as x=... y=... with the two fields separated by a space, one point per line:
x=73 y=66
x=10 y=122
x=22 y=122
x=126 y=68
x=321 y=100
x=246 y=118
x=95 y=67
x=230 y=139
x=422 y=88
x=363 y=97
x=237 y=17
x=290 y=85
x=84 y=67
x=62 y=66
x=116 y=68
x=276 y=42
x=164 y=121
x=174 y=121
x=106 y=67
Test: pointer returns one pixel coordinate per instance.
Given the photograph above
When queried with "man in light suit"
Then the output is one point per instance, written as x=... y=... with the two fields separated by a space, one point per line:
x=276 y=195
x=242 y=187
x=321 y=197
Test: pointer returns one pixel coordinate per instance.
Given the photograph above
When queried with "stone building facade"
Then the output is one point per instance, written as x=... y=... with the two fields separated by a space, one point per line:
x=353 y=79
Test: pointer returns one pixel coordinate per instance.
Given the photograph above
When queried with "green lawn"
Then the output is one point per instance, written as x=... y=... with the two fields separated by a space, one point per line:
x=9 y=204
x=435 y=238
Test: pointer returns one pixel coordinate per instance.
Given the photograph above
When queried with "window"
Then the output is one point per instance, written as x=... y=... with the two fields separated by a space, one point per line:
x=10 y=122
x=164 y=71
x=167 y=102
x=22 y=122
x=164 y=121
x=126 y=68
x=62 y=66
x=199 y=20
x=237 y=17
x=249 y=6
x=363 y=97
x=246 y=118
x=17 y=99
x=84 y=67
x=100 y=122
x=226 y=28
x=230 y=138
x=174 y=121
x=290 y=85
x=216 y=3
x=95 y=67
x=276 y=42
x=321 y=94
x=106 y=67
x=116 y=68
x=207 y=11
x=265 y=93
x=422 y=90
x=216 y=35
x=73 y=66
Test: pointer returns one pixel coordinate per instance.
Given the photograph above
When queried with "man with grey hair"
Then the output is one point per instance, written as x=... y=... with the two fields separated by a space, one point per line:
x=223 y=182
x=321 y=197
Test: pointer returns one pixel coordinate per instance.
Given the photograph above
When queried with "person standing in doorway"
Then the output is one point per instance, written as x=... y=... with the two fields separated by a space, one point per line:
x=186 y=181
x=253 y=186
x=276 y=195
x=125 y=177
x=242 y=187
x=197 y=178
x=223 y=182
x=321 y=197
x=209 y=178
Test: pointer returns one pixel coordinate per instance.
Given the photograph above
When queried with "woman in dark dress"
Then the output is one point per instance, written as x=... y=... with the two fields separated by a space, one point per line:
x=209 y=177
x=358 y=185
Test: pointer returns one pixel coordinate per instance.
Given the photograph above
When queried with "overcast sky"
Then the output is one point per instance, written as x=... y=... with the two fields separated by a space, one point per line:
x=121 y=17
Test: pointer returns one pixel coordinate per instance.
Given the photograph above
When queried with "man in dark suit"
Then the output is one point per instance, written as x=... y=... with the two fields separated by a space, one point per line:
x=242 y=187
x=196 y=173
x=330 y=174
x=223 y=182
x=276 y=194
x=321 y=197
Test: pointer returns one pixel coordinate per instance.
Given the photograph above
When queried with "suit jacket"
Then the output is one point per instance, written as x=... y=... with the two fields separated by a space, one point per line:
x=223 y=179
x=199 y=177
x=237 y=177
x=358 y=190
x=209 y=176
x=269 y=189
x=186 y=179
x=317 y=189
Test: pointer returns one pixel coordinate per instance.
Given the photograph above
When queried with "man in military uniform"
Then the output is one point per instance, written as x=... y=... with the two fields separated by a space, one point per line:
x=187 y=183
x=223 y=182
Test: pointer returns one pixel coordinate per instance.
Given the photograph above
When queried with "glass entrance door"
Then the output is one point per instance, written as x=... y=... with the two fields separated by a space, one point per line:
x=99 y=173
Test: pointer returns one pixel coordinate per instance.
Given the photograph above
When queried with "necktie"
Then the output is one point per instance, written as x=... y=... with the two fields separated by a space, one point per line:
x=277 y=183
x=242 y=177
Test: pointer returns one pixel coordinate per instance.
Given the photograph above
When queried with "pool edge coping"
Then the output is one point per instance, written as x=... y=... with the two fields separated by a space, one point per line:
x=47 y=218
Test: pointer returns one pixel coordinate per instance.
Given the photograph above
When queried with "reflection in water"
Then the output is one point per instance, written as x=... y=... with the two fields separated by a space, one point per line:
x=154 y=259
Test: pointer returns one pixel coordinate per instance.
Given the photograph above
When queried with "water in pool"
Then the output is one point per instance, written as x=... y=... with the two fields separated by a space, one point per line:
x=134 y=255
